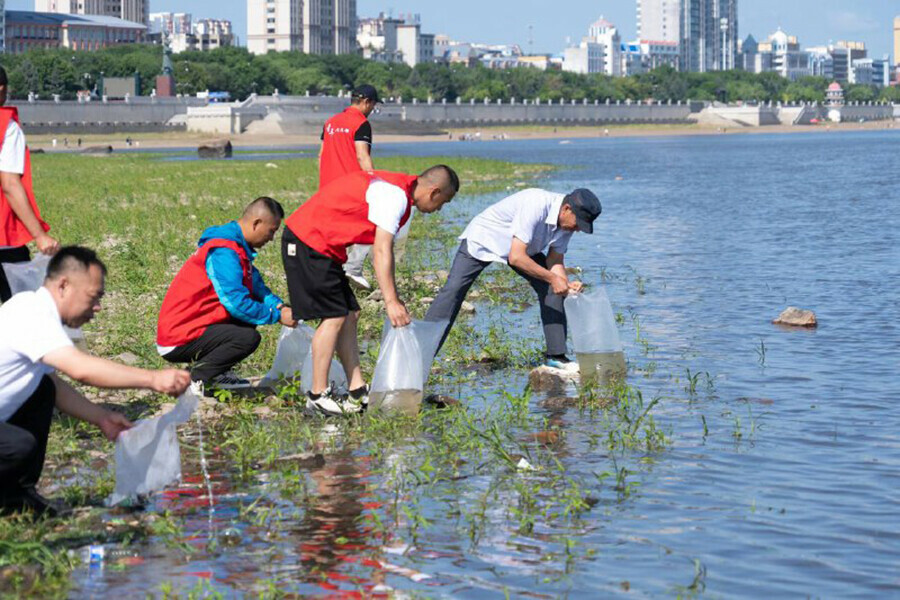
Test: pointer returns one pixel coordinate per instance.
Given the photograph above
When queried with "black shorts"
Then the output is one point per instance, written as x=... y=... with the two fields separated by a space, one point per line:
x=317 y=285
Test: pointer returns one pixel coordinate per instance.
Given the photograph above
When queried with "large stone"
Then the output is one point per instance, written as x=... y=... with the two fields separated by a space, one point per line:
x=98 y=150
x=548 y=379
x=796 y=317
x=467 y=308
x=216 y=149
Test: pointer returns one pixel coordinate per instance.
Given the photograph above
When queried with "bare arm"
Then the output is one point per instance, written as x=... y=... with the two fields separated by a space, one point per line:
x=383 y=262
x=14 y=192
x=104 y=373
x=69 y=401
x=519 y=259
x=364 y=156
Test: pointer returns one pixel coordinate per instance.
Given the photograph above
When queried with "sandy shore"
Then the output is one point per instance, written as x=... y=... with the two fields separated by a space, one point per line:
x=163 y=141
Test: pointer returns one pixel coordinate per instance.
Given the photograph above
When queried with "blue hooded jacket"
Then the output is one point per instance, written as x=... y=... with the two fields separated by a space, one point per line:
x=223 y=267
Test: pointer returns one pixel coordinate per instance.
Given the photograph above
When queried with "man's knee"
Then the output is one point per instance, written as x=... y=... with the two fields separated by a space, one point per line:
x=250 y=340
x=18 y=444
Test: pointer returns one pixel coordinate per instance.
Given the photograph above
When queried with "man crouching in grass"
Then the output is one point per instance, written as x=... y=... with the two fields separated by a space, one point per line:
x=210 y=313
x=33 y=345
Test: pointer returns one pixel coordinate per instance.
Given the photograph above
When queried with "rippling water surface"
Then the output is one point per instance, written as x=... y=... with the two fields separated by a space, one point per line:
x=791 y=489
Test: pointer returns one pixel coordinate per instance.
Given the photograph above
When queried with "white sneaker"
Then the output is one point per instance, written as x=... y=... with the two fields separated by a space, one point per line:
x=359 y=281
x=329 y=405
x=352 y=405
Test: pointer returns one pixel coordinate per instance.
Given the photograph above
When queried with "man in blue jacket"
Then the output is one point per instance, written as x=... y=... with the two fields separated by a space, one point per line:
x=210 y=313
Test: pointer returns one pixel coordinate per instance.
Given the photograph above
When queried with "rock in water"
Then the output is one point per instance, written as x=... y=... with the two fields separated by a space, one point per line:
x=796 y=317
x=216 y=149
x=467 y=308
x=98 y=150
x=548 y=379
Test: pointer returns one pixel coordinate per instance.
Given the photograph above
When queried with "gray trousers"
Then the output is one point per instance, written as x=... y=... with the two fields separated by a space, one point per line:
x=465 y=271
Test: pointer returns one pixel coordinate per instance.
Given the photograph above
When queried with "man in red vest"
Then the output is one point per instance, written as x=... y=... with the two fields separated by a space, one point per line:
x=346 y=147
x=365 y=207
x=20 y=219
x=210 y=313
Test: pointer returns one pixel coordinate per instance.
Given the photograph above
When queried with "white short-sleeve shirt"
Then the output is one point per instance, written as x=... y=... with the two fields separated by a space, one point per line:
x=387 y=205
x=30 y=328
x=12 y=153
x=530 y=215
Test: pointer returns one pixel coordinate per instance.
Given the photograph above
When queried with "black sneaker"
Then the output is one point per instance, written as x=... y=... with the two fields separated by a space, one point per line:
x=28 y=500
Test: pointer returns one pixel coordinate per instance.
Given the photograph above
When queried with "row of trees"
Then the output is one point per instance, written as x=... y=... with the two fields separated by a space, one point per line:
x=235 y=70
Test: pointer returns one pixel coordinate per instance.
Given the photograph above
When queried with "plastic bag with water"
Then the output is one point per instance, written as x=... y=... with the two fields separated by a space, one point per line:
x=148 y=457
x=293 y=346
x=595 y=336
x=337 y=379
x=28 y=277
x=403 y=366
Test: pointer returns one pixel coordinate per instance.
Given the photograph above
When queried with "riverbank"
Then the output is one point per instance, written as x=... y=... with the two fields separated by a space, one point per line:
x=173 y=140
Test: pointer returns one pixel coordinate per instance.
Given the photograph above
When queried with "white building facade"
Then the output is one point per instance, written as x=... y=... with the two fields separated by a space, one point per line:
x=311 y=26
x=659 y=20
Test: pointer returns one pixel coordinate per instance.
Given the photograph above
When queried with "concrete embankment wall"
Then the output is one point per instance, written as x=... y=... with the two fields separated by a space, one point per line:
x=142 y=114
x=800 y=114
x=306 y=115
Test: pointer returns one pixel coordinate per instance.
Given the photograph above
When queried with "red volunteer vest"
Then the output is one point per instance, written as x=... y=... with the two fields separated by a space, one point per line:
x=337 y=215
x=12 y=230
x=191 y=304
x=338 y=145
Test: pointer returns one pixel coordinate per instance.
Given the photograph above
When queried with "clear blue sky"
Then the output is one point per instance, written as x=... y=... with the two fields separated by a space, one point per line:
x=506 y=21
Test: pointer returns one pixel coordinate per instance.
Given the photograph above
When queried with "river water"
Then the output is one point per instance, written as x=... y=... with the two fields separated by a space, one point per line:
x=783 y=474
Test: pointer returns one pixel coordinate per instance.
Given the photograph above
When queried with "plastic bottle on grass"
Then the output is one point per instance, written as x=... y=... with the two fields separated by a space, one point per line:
x=595 y=337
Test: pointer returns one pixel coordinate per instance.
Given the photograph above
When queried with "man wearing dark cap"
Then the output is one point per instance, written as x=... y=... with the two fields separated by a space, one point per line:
x=346 y=147
x=530 y=232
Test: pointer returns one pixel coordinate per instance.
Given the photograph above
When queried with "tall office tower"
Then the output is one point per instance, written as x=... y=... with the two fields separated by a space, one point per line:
x=2 y=25
x=344 y=26
x=318 y=16
x=709 y=35
x=274 y=25
x=897 y=40
x=658 y=20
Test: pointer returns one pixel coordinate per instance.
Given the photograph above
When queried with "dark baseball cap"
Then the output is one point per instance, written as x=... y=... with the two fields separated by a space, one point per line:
x=586 y=207
x=366 y=91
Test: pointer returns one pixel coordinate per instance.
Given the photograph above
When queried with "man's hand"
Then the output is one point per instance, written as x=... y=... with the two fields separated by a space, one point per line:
x=397 y=313
x=46 y=244
x=576 y=287
x=172 y=382
x=559 y=285
x=112 y=424
x=287 y=317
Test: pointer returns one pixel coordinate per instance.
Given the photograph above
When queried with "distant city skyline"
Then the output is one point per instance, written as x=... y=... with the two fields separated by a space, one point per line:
x=814 y=22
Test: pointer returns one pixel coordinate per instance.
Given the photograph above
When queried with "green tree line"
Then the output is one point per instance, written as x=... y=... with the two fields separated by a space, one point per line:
x=235 y=70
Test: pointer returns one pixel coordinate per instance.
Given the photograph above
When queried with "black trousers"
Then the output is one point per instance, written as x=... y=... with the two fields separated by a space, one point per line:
x=219 y=348
x=11 y=255
x=23 y=440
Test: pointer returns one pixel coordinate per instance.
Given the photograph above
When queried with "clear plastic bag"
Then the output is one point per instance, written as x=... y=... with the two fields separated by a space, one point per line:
x=337 y=379
x=148 y=457
x=403 y=366
x=595 y=335
x=28 y=277
x=293 y=346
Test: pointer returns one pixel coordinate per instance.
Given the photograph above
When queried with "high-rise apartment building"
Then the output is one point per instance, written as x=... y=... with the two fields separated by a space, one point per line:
x=709 y=35
x=311 y=26
x=2 y=25
x=137 y=11
x=658 y=20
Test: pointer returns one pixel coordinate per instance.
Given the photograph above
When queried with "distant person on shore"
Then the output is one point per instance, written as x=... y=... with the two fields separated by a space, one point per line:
x=346 y=148
x=210 y=313
x=33 y=344
x=529 y=231
x=366 y=207
x=20 y=219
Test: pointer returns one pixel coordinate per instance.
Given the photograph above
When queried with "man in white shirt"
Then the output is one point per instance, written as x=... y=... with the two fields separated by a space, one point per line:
x=530 y=232
x=33 y=345
x=20 y=221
